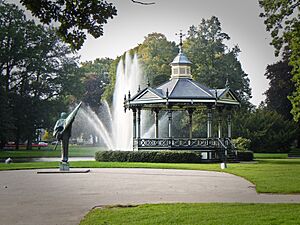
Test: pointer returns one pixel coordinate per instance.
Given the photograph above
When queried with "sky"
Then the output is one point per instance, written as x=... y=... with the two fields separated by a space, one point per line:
x=239 y=19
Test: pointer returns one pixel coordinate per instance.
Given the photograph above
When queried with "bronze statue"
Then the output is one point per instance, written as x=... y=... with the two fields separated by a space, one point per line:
x=62 y=132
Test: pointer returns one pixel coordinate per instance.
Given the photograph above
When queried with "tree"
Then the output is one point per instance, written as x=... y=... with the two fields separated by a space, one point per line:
x=281 y=86
x=267 y=130
x=213 y=64
x=283 y=21
x=95 y=81
x=36 y=68
x=155 y=54
x=74 y=17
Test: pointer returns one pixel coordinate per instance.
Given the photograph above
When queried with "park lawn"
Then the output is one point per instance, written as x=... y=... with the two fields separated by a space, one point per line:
x=196 y=213
x=268 y=175
x=74 y=151
x=270 y=155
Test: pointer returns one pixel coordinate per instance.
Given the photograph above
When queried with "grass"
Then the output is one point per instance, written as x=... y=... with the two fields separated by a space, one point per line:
x=203 y=213
x=74 y=151
x=270 y=155
x=269 y=175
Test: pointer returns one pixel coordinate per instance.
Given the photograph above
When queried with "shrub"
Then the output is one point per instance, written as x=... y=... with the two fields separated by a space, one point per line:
x=268 y=131
x=242 y=144
x=149 y=156
x=245 y=156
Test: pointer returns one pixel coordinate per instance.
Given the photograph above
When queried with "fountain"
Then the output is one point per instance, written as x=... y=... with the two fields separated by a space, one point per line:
x=113 y=125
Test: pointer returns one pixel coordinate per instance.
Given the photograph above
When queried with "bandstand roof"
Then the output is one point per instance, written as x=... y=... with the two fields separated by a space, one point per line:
x=182 y=91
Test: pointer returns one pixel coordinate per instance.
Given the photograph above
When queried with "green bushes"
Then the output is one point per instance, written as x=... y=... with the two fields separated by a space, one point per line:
x=149 y=156
x=245 y=156
x=242 y=144
x=268 y=131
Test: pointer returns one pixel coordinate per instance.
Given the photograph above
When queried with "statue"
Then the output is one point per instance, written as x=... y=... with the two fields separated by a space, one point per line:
x=62 y=132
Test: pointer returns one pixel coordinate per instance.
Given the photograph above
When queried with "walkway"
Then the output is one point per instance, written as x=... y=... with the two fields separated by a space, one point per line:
x=28 y=198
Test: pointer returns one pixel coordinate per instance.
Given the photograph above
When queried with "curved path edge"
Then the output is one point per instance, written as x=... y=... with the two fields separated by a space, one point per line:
x=28 y=198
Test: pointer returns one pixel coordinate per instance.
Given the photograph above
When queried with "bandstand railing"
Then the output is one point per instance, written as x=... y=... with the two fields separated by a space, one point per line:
x=181 y=143
x=215 y=148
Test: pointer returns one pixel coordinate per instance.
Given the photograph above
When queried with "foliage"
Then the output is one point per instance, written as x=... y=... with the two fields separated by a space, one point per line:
x=112 y=72
x=242 y=144
x=155 y=54
x=95 y=81
x=73 y=17
x=245 y=155
x=267 y=130
x=36 y=70
x=281 y=86
x=148 y=156
x=213 y=64
x=46 y=136
x=283 y=21
x=195 y=213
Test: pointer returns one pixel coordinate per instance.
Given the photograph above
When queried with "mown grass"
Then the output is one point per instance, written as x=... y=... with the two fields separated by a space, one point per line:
x=270 y=155
x=202 y=213
x=269 y=175
x=74 y=151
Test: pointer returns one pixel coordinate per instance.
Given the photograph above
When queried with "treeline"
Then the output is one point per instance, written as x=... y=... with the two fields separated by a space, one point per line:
x=41 y=76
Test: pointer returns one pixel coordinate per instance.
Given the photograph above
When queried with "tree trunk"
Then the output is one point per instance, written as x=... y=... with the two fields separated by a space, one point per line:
x=17 y=142
x=29 y=143
x=2 y=144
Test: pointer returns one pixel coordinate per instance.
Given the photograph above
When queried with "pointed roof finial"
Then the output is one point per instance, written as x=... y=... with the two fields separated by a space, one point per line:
x=181 y=35
x=227 y=83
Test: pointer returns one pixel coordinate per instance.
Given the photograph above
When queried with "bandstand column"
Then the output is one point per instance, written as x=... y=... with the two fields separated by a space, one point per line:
x=209 y=122
x=139 y=123
x=156 y=111
x=170 y=122
x=220 y=127
x=229 y=125
x=190 y=111
x=134 y=123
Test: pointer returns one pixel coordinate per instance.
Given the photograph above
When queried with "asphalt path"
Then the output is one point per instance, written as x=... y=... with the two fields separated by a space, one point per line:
x=28 y=198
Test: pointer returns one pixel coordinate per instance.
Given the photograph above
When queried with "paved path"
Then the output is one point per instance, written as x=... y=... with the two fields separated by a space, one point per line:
x=28 y=198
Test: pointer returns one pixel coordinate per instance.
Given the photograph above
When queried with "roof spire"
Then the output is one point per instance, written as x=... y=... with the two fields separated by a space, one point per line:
x=181 y=35
x=227 y=83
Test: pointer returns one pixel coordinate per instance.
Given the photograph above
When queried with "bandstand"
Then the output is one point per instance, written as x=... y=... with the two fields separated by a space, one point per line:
x=182 y=93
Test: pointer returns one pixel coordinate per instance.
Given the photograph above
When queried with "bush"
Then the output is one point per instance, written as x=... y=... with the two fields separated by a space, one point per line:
x=242 y=144
x=245 y=156
x=268 y=131
x=149 y=156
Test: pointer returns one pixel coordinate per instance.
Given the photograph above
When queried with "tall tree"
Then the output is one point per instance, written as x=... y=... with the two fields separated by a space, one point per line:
x=281 y=86
x=268 y=130
x=155 y=54
x=95 y=81
x=282 y=19
x=213 y=63
x=74 y=18
x=36 y=67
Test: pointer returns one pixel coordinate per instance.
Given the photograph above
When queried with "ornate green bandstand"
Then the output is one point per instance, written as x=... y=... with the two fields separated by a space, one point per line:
x=182 y=93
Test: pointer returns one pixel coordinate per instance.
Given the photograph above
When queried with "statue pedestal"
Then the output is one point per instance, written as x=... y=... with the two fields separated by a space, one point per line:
x=64 y=166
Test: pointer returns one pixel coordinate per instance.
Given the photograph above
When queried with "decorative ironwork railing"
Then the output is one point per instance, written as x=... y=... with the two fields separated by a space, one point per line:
x=183 y=143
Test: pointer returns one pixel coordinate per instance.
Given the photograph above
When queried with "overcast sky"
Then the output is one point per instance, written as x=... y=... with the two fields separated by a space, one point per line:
x=239 y=19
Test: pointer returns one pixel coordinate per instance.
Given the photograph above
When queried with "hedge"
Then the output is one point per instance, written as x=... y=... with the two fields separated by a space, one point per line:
x=245 y=155
x=149 y=156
